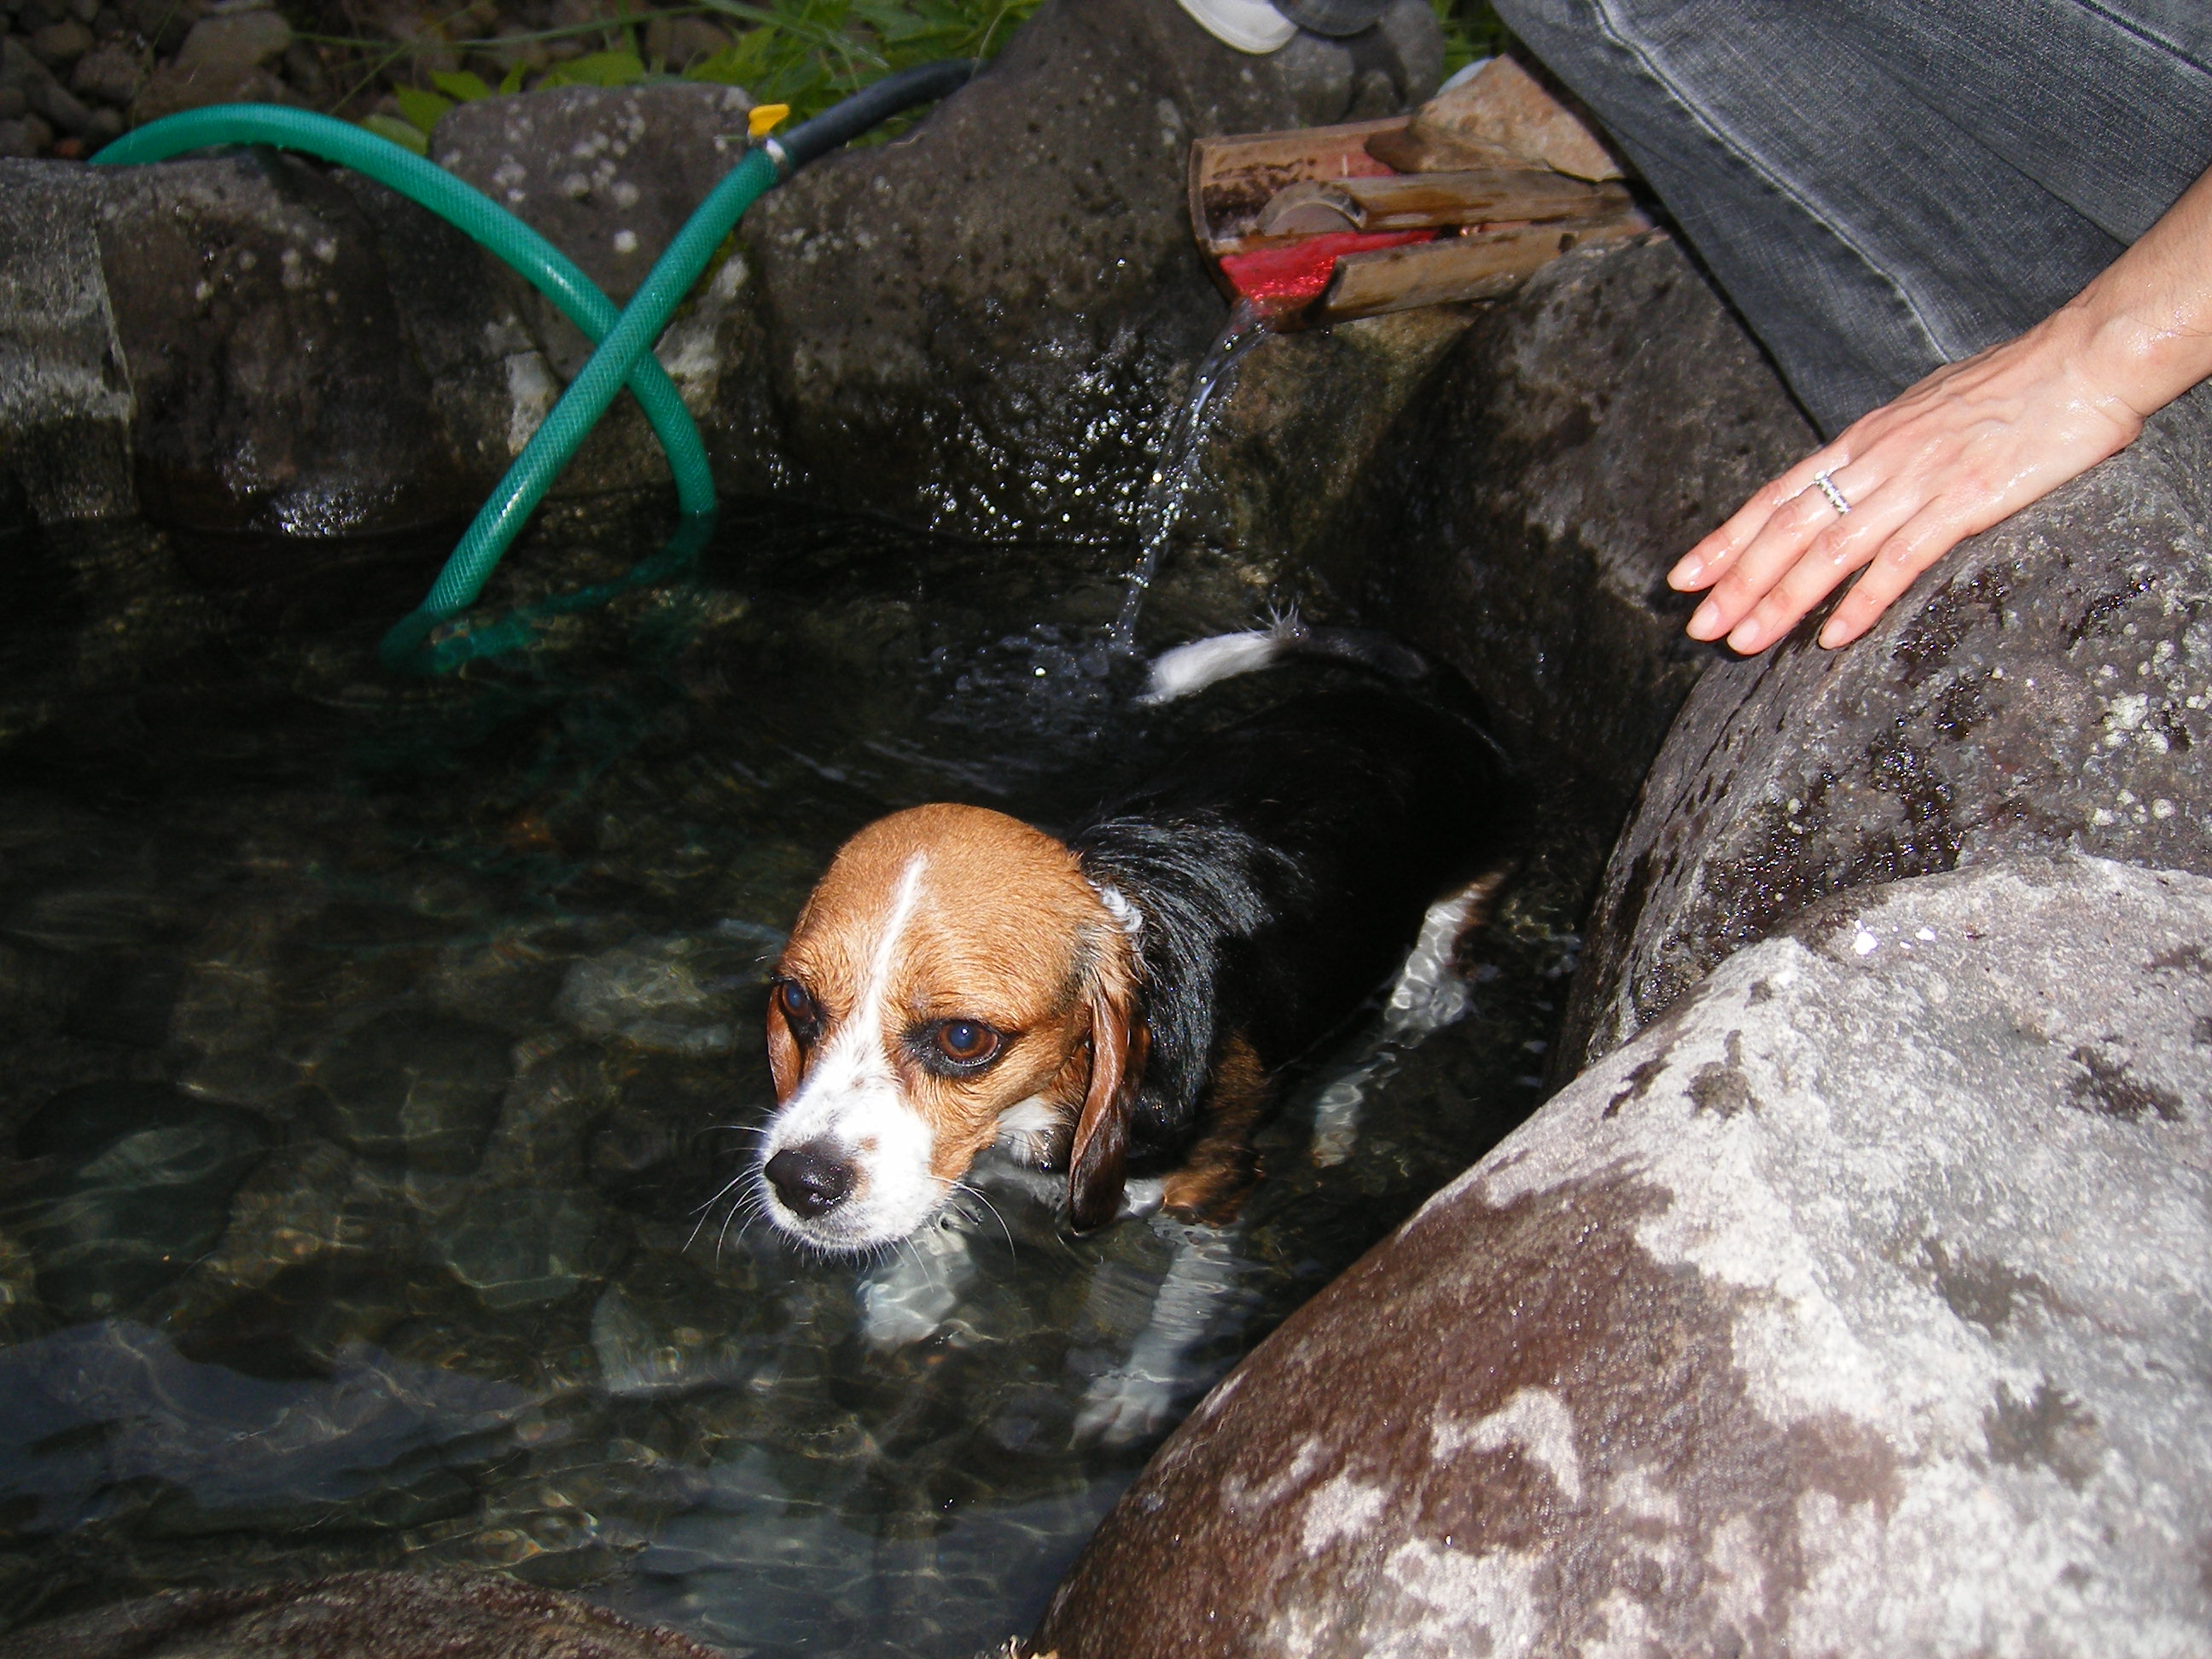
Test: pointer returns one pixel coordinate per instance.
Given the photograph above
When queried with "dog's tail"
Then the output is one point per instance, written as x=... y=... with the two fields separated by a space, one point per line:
x=1193 y=667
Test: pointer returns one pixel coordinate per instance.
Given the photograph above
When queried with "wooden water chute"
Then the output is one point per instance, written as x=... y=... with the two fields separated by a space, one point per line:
x=1319 y=226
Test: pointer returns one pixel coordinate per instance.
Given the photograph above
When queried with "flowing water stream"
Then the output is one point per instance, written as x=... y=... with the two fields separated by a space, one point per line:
x=1169 y=486
x=375 y=1054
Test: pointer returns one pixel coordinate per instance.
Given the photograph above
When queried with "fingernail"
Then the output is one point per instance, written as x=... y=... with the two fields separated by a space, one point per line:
x=1705 y=622
x=1745 y=637
x=1686 y=573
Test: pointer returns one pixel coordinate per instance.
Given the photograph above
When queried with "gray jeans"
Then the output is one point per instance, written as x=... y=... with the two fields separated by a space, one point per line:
x=1884 y=186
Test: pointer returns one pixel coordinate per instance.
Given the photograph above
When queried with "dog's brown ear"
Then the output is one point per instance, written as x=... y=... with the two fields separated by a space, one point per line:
x=783 y=1057
x=1100 y=1151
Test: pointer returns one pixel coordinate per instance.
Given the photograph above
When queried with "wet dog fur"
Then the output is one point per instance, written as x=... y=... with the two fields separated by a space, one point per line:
x=1115 y=1005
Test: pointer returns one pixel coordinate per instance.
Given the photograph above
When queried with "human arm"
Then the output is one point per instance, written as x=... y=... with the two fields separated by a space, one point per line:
x=1966 y=447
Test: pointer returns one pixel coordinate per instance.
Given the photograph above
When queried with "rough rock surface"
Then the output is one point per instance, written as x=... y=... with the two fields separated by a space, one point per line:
x=608 y=175
x=65 y=401
x=1860 y=1306
x=1526 y=505
x=985 y=327
x=257 y=327
x=2045 y=687
x=356 y=1615
x=982 y=327
x=1291 y=434
x=222 y=62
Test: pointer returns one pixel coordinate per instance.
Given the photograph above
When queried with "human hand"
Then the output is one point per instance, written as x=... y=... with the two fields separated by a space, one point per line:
x=1966 y=447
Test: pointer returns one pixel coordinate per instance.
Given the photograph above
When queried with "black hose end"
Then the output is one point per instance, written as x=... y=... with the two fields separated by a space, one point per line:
x=870 y=106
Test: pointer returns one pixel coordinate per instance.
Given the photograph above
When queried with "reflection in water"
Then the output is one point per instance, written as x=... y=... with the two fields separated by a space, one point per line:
x=378 y=1056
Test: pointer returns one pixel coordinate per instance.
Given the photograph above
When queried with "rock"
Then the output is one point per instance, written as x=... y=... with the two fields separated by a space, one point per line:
x=1526 y=504
x=2044 y=687
x=1293 y=435
x=230 y=1447
x=607 y=174
x=680 y=42
x=1860 y=1306
x=162 y=24
x=21 y=140
x=42 y=93
x=676 y=995
x=986 y=327
x=356 y=1615
x=13 y=104
x=522 y=1248
x=1504 y=110
x=57 y=45
x=138 y=1188
x=127 y=999
x=220 y=62
x=65 y=400
x=1363 y=77
x=277 y=391
x=110 y=74
x=419 y=1087
x=18 y=1290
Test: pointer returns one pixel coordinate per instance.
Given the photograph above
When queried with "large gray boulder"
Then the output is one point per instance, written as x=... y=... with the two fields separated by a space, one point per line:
x=2045 y=687
x=1862 y=1305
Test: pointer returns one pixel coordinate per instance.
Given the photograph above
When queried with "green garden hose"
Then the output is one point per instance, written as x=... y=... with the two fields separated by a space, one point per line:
x=432 y=637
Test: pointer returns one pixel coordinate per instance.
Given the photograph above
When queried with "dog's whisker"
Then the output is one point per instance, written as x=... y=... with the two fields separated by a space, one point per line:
x=976 y=1193
x=724 y=1191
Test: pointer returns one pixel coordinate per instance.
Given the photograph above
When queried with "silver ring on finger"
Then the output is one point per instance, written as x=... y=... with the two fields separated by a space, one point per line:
x=1826 y=481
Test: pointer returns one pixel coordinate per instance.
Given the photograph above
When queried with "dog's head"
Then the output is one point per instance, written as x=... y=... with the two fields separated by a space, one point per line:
x=953 y=978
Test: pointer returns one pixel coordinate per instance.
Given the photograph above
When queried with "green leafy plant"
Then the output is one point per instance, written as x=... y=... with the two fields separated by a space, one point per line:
x=805 y=53
x=810 y=53
x=1472 y=30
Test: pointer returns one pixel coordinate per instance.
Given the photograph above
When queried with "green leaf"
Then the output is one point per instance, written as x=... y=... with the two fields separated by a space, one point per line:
x=598 y=68
x=511 y=81
x=421 y=109
x=460 y=85
x=402 y=133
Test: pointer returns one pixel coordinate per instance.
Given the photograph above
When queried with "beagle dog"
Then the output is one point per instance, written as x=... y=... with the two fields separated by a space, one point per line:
x=1112 y=1006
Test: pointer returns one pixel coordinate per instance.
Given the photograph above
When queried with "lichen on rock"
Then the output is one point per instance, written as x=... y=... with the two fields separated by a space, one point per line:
x=1905 y=1351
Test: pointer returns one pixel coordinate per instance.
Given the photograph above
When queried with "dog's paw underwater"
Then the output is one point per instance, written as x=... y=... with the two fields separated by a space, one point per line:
x=1115 y=1006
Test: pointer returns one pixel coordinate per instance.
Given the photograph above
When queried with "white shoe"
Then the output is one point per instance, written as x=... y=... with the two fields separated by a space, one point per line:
x=1253 y=26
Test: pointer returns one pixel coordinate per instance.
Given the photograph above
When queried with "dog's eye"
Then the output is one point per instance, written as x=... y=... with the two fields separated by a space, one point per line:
x=798 y=1009
x=966 y=1042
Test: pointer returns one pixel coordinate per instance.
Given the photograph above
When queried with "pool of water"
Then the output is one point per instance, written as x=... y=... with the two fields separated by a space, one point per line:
x=378 y=1056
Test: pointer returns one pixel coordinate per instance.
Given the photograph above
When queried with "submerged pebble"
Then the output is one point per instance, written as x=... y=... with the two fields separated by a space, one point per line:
x=138 y=1185
x=417 y=1087
x=679 y=996
x=446 y=1064
x=520 y=1248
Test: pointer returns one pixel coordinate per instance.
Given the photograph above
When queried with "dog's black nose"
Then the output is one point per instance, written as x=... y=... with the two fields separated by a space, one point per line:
x=810 y=1179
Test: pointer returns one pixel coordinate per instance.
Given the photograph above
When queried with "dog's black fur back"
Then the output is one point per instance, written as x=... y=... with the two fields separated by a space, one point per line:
x=1282 y=867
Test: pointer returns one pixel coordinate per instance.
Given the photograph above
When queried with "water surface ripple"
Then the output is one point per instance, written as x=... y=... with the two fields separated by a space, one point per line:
x=377 y=1055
